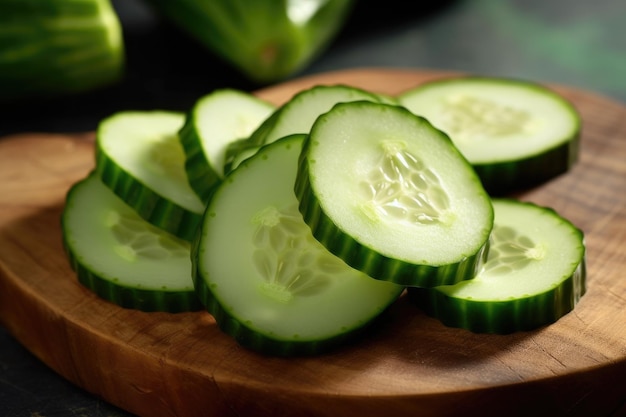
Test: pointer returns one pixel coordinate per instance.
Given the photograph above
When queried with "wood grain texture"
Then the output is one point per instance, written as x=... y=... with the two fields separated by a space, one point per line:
x=159 y=364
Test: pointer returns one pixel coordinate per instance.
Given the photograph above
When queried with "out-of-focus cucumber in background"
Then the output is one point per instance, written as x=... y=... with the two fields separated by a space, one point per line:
x=56 y=47
x=170 y=52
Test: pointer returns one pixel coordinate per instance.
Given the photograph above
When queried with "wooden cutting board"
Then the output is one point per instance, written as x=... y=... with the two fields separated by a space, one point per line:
x=159 y=364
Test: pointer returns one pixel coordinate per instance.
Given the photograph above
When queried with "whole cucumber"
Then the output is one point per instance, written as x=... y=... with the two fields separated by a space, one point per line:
x=52 y=47
x=266 y=40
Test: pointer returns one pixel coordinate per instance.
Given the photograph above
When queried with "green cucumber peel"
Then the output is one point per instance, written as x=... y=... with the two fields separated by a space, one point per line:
x=121 y=257
x=216 y=121
x=140 y=157
x=300 y=230
x=534 y=275
x=296 y=116
x=516 y=133
x=259 y=271
x=388 y=193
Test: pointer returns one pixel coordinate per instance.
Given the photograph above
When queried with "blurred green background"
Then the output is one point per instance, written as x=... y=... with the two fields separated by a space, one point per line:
x=573 y=42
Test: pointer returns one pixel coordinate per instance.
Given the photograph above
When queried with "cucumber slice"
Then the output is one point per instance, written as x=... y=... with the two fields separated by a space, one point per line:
x=516 y=133
x=216 y=120
x=392 y=196
x=296 y=116
x=535 y=273
x=262 y=275
x=140 y=157
x=387 y=98
x=121 y=257
x=58 y=47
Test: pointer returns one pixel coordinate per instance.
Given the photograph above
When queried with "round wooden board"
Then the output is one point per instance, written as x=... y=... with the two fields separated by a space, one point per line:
x=159 y=364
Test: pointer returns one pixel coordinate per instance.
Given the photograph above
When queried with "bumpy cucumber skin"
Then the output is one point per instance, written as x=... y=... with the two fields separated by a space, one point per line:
x=124 y=296
x=200 y=175
x=148 y=204
x=369 y=261
x=500 y=178
x=43 y=56
x=507 y=316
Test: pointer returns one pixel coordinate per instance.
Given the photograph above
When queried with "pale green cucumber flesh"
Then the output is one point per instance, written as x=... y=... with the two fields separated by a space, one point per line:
x=300 y=112
x=389 y=194
x=215 y=121
x=535 y=274
x=297 y=116
x=121 y=257
x=241 y=149
x=262 y=275
x=516 y=133
x=58 y=47
x=140 y=157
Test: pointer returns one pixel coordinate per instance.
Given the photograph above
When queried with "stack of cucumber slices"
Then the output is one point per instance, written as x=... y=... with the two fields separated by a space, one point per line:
x=297 y=226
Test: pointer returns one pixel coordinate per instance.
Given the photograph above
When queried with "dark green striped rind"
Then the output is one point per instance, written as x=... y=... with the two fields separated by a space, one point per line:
x=54 y=47
x=200 y=174
x=102 y=282
x=134 y=298
x=368 y=260
x=262 y=343
x=501 y=178
x=507 y=316
x=149 y=205
x=523 y=308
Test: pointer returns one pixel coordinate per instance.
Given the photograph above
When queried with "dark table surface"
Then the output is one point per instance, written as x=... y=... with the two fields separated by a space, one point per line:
x=572 y=42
